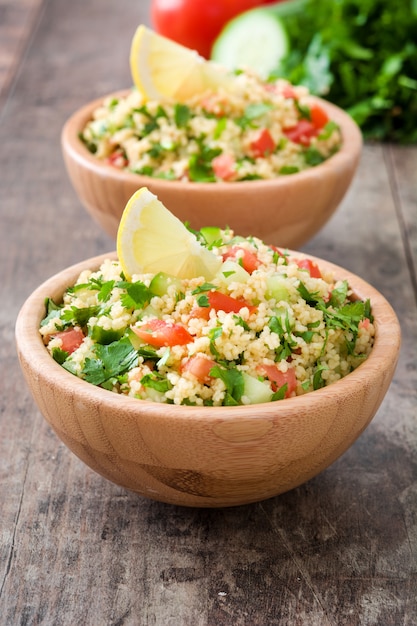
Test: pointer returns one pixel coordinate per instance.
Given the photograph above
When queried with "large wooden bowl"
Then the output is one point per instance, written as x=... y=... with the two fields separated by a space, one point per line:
x=287 y=211
x=209 y=456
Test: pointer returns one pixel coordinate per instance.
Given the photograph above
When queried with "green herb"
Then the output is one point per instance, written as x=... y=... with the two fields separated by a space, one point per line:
x=52 y=310
x=59 y=355
x=310 y=298
x=318 y=381
x=239 y=321
x=220 y=127
x=182 y=115
x=136 y=296
x=339 y=294
x=156 y=381
x=79 y=317
x=361 y=55
x=109 y=361
x=200 y=164
x=280 y=393
x=203 y=301
x=234 y=383
x=215 y=333
x=204 y=287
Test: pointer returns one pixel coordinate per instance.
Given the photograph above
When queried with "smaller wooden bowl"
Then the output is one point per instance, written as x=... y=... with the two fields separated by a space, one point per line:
x=208 y=456
x=287 y=211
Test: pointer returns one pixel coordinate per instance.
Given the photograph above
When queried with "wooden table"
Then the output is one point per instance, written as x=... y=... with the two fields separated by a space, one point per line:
x=77 y=550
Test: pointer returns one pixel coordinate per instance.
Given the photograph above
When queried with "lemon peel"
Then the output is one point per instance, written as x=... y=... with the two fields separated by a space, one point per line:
x=150 y=239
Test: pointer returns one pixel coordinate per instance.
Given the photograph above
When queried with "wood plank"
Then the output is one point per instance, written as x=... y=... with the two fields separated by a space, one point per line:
x=18 y=18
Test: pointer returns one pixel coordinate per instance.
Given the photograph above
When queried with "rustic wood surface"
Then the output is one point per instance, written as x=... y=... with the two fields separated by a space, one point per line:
x=76 y=549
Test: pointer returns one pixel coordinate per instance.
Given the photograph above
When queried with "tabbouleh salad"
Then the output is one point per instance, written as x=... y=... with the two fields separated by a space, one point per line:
x=268 y=326
x=261 y=130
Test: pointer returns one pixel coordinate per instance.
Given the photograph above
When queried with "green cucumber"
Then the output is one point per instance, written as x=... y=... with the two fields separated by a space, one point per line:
x=276 y=288
x=255 y=390
x=161 y=282
x=257 y=39
x=211 y=234
x=232 y=272
x=106 y=335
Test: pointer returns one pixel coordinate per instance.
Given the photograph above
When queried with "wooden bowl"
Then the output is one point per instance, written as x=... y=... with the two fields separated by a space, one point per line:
x=208 y=456
x=287 y=211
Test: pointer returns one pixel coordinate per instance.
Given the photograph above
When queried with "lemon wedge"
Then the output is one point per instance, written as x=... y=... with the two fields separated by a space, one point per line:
x=165 y=70
x=150 y=239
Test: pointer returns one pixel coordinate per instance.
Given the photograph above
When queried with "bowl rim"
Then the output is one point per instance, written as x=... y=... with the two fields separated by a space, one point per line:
x=76 y=149
x=30 y=345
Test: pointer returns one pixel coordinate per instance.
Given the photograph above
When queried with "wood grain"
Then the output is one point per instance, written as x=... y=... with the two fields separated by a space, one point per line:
x=75 y=549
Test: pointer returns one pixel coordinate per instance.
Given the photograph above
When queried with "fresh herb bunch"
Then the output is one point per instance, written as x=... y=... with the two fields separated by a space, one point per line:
x=360 y=55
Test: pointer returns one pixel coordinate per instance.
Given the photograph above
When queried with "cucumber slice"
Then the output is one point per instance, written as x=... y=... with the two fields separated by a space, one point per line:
x=276 y=288
x=232 y=272
x=256 y=39
x=255 y=390
x=211 y=234
x=161 y=281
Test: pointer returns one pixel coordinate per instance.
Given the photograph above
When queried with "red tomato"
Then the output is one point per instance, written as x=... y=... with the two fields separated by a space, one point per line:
x=302 y=132
x=200 y=312
x=262 y=144
x=159 y=333
x=310 y=266
x=222 y=302
x=278 y=378
x=196 y=23
x=200 y=367
x=224 y=166
x=117 y=159
x=71 y=339
x=289 y=92
x=249 y=260
x=319 y=117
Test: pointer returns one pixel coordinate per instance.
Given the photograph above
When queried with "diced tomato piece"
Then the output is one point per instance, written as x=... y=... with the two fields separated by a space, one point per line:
x=309 y=265
x=200 y=367
x=71 y=339
x=289 y=92
x=222 y=302
x=117 y=159
x=160 y=333
x=224 y=166
x=301 y=133
x=200 y=312
x=262 y=144
x=278 y=378
x=365 y=323
x=248 y=259
x=319 y=117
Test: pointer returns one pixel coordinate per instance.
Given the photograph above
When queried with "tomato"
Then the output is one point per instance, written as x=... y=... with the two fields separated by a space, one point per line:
x=301 y=133
x=200 y=367
x=200 y=312
x=289 y=92
x=196 y=23
x=278 y=378
x=309 y=265
x=159 y=333
x=71 y=339
x=224 y=166
x=117 y=159
x=304 y=130
x=248 y=259
x=222 y=302
x=262 y=144
x=319 y=117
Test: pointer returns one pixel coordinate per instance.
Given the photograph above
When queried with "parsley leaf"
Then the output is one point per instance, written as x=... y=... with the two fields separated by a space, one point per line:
x=136 y=296
x=234 y=382
x=110 y=360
